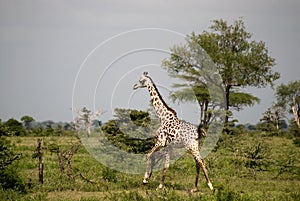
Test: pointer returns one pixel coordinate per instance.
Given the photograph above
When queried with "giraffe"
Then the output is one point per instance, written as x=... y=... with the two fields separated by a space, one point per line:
x=172 y=131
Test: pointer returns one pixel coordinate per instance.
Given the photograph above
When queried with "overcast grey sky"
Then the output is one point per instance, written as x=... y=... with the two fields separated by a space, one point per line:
x=44 y=43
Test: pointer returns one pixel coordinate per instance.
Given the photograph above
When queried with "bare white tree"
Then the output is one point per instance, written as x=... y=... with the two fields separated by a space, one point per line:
x=85 y=118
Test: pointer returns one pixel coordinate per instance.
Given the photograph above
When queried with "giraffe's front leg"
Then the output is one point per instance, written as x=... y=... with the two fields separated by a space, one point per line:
x=150 y=162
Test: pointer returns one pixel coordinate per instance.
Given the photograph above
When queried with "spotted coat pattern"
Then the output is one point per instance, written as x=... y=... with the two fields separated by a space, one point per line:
x=172 y=131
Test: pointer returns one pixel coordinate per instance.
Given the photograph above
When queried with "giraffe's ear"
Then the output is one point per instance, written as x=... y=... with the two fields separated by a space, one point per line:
x=145 y=73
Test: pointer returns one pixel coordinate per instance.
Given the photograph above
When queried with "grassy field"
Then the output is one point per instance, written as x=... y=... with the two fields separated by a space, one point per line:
x=243 y=167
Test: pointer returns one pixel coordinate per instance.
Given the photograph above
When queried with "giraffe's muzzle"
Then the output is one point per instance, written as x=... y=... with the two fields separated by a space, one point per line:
x=135 y=86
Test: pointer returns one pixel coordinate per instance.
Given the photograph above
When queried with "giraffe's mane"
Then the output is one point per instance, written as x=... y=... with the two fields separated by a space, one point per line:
x=162 y=100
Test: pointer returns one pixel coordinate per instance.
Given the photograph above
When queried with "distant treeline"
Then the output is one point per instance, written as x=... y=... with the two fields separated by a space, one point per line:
x=13 y=127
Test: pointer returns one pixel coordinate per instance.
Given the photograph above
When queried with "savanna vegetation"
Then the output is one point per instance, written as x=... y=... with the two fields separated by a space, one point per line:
x=47 y=160
x=245 y=165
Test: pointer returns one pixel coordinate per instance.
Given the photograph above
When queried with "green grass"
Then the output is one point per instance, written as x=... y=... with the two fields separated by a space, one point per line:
x=228 y=170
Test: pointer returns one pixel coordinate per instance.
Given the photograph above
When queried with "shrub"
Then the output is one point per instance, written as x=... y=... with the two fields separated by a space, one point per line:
x=9 y=179
x=109 y=175
x=296 y=142
x=13 y=127
x=256 y=156
x=229 y=195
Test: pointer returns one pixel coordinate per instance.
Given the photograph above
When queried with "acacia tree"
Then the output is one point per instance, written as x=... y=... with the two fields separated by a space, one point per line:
x=241 y=62
x=274 y=116
x=27 y=120
x=288 y=97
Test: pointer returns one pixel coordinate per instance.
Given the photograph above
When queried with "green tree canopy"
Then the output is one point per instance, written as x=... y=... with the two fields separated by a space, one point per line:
x=135 y=123
x=27 y=121
x=131 y=130
x=14 y=127
x=241 y=62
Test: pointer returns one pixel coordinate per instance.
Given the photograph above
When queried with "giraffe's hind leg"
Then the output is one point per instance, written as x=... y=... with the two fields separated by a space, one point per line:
x=167 y=164
x=195 y=151
x=195 y=189
x=150 y=167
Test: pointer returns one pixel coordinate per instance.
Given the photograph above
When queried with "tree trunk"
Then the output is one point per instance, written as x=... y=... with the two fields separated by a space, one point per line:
x=227 y=93
x=297 y=120
x=88 y=128
x=206 y=115
x=71 y=153
x=60 y=156
x=296 y=112
x=69 y=169
x=40 y=157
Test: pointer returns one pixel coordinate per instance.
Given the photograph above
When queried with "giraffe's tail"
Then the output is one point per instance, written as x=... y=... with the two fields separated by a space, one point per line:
x=201 y=132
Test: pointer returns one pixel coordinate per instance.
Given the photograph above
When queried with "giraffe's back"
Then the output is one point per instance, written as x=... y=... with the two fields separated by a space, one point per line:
x=181 y=132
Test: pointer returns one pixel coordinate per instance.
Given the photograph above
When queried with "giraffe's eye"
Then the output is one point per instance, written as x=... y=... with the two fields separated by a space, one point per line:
x=142 y=82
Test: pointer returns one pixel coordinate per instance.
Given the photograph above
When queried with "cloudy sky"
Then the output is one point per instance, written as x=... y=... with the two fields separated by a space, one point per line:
x=49 y=49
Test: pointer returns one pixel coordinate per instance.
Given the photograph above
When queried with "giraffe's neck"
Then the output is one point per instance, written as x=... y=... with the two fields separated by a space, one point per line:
x=163 y=111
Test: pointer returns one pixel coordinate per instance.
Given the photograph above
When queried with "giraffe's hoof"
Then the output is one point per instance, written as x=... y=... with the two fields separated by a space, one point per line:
x=194 y=190
x=160 y=187
x=210 y=186
x=145 y=182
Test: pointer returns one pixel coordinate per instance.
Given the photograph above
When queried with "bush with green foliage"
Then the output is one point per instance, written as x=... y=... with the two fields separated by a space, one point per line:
x=295 y=133
x=130 y=130
x=256 y=156
x=13 y=127
x=9 y=178
x=288 y=165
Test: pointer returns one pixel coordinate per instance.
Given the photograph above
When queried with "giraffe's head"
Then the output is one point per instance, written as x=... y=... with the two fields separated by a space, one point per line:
x=143 y=81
